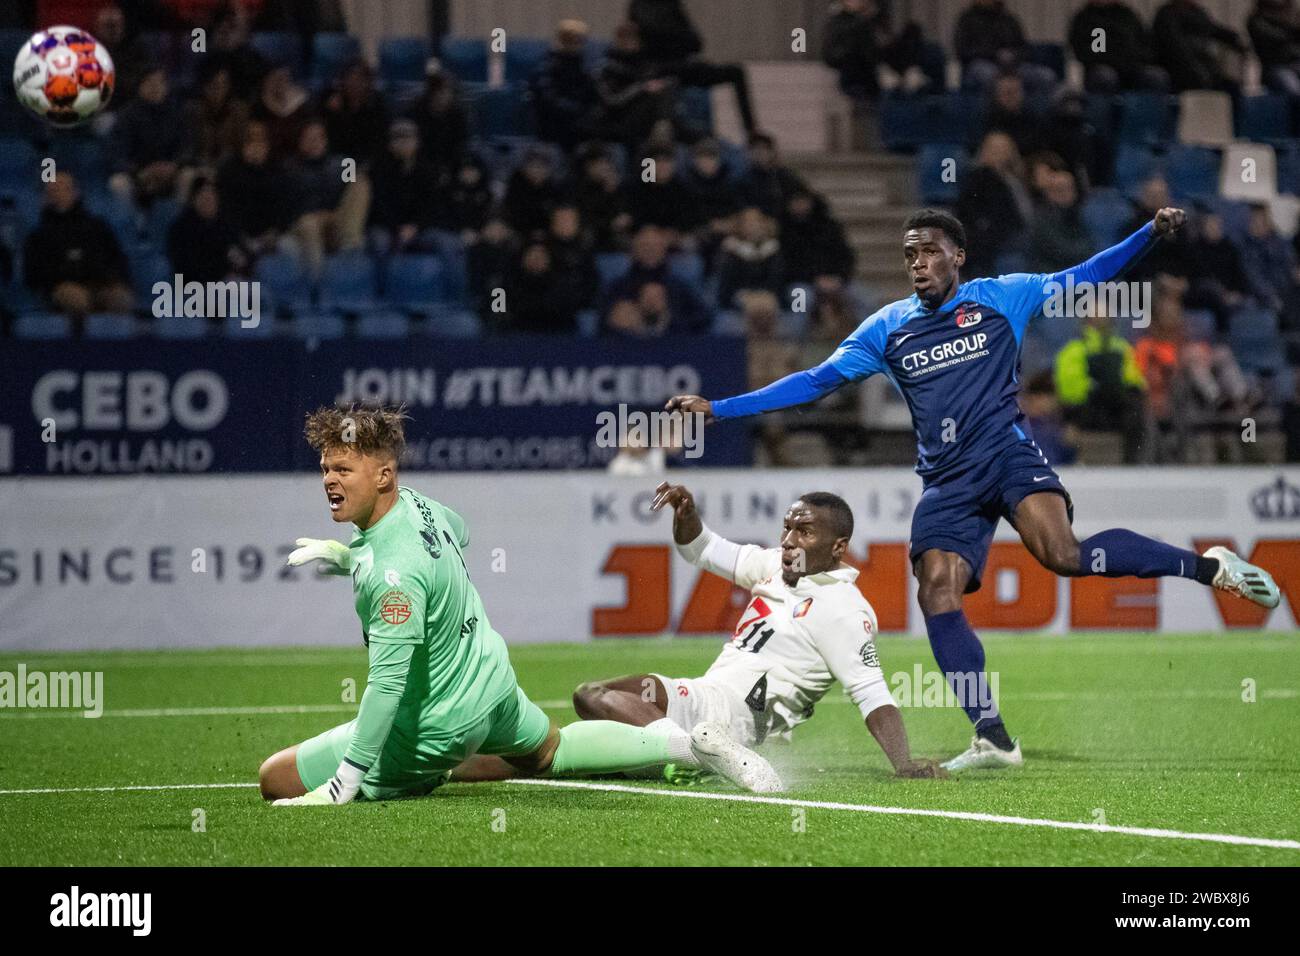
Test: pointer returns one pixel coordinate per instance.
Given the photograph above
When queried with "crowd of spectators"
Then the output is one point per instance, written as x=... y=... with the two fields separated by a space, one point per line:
x=251 y=160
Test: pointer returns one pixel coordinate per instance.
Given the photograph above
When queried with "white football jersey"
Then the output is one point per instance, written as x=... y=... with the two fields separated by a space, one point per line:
x=792 y=643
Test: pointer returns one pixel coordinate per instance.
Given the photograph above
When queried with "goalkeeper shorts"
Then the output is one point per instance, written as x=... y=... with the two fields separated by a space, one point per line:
x=413 y=766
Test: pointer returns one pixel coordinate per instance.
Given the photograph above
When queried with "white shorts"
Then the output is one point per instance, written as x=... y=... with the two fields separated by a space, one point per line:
x=692 y=700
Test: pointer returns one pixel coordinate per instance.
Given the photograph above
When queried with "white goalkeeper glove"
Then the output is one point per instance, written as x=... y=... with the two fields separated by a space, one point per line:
x=334 y=556
x=338 y=790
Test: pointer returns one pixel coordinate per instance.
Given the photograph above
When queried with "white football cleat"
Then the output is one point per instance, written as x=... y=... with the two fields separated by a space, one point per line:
x=984 y=754
x=1244 y=579
x=717 y=751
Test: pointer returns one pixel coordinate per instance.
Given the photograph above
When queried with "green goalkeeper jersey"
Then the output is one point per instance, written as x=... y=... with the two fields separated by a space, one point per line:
x=436 y=664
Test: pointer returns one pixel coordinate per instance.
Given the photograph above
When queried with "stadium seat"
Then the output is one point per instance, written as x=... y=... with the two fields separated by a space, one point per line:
x=403 y=59
x=1261 y=159
x=452 y=323
x=158 y=220
x=232 y=327
x=523 y=56
x=1263 y=117
x=1253 y=336
x=695 y=108
x=1204 y=118
x=588 y=323
x=1198 y=324
x=43 y=327
x=907 y=122
x=1193 y=172
x=413 y=281
x=284 y=282
x=689 y=267
x=1288 y=168
x=791 y=325
x=1105 y=213
x=148 y=266
x=281 y=48
x=317 y=325
x=383 y=325
x=348 y=283
x=20 y=161
x=1145 y=118
x=110 y=326
x=932 y=162
x=180 y=328
x=611 y=266
x=1134 y=165
x=330 y=52
x=466 y=57
x=729 y=322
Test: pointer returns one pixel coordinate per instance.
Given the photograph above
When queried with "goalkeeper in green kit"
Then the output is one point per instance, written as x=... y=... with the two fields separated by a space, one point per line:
x=441 y=688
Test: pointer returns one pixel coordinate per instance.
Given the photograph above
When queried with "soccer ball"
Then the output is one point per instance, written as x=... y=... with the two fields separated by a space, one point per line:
x=63 y=75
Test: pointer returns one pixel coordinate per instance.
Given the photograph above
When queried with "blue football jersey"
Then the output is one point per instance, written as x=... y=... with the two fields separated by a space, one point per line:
x=957 y=366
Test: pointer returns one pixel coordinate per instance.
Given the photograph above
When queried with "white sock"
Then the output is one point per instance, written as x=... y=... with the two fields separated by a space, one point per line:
x=679 y=741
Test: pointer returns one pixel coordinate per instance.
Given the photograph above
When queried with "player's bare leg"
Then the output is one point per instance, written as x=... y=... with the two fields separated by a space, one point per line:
x=278 y=775
x=942 y=577
x=1043 y=522
x=638 y=699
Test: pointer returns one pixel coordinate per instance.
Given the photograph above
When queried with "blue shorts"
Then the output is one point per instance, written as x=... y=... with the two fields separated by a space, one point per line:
x=961 y=512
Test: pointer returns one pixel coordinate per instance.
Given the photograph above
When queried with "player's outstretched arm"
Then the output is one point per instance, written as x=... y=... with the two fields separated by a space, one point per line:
x=799 y=388
x=886 y=725
x=742 y=564
x=1112 y=262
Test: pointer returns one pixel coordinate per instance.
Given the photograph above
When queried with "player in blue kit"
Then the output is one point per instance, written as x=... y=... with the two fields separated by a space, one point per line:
x=953 y=351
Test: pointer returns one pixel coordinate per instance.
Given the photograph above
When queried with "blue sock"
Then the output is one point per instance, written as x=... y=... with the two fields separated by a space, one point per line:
x=1119 y=553
x=960 y=656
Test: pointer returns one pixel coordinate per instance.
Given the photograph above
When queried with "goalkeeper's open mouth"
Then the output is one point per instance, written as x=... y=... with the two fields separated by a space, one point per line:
x=335 y=499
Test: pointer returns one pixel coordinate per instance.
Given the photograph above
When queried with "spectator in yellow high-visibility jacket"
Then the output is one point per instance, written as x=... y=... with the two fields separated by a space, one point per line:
x=1100 y=386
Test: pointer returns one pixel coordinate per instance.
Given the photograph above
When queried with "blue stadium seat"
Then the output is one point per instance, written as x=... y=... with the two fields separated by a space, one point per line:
x=232 y=327
x=180 y=328
x=1146 y=118
x=1265 y=117
x=330 y=52
x=791 y=325
x=317 y=325
x=1193 y=171
x=1236 y=218
x=452 y=324
x=466 y=57
x=689 y=267
x=1251 y=326
x=1134 y=165
x=1105 y=214
x=43 y=327
x=611 y=266
x=523 y=56
x=594 y=53
x=907 y=122
x=284 y=282
x=383 y=325
x=85 y=155
x=281 y=48
x=20 y=161
x=1099 y=111
x=110 y=326
x=148 y=266
x=413 y=281
x=729 y=322
x=1288 y=167
x=695 y=108
x=931 y=163
x=158 y=221
x=588 y=323
x=348 y=283
x=1198 y=324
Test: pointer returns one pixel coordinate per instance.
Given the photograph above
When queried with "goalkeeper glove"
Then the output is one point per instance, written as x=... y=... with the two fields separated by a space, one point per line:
x=336 y=791
x=334 y=555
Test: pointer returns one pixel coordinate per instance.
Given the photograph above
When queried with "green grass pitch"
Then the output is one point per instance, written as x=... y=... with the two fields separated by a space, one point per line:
x=1131 y=730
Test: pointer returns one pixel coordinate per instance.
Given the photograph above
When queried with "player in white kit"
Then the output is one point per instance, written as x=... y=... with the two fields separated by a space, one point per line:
x=806 y=627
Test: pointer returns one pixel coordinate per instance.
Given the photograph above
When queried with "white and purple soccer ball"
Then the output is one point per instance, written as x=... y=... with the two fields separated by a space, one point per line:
x=63 y=75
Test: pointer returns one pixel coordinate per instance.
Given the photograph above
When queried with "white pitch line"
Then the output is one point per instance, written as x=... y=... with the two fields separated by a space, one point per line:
x=164 y=786
x=916 y=812
x=562 y=703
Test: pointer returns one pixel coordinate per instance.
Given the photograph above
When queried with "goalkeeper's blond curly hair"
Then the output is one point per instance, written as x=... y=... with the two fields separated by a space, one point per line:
x=371 y=430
